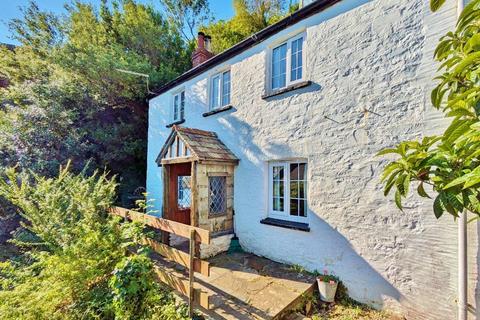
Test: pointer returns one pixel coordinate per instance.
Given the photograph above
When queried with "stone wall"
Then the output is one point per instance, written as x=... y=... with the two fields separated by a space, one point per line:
x=371 y=66
x=206 y=220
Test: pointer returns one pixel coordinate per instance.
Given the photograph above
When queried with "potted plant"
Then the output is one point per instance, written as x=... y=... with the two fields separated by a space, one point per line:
x=327 y=286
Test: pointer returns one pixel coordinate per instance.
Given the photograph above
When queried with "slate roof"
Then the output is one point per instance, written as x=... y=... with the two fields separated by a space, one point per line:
x=297 y=16
x=203 y=145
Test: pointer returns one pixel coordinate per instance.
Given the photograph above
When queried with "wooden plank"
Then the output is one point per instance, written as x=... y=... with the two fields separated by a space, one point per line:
x=191 y=274
x=180 y=229
x=178 y=160
x=165 y=204
x=180 y=257
x=180 y=284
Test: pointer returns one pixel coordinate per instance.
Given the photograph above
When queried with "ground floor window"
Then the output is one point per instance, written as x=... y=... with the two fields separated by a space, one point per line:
x=217 y=194
x=288 y=189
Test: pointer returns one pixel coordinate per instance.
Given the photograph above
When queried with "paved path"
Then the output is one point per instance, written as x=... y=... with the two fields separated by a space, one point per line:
x=245 y=286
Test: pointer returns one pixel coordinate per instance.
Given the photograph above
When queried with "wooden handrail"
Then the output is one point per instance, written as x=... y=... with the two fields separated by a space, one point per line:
x=189 y=261
x=180 y=229
x=178 y=256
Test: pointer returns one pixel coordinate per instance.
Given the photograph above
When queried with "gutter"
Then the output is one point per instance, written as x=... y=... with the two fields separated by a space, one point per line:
x=297 y=16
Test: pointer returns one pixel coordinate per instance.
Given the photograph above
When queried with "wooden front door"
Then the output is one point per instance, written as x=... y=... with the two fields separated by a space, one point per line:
x=180 y=193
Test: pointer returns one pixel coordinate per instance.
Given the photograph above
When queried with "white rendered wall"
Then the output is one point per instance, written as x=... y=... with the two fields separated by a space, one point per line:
x=361 y=55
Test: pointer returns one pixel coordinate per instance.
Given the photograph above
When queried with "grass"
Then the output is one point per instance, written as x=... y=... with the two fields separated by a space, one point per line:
x=345 y=308
x=351 y=312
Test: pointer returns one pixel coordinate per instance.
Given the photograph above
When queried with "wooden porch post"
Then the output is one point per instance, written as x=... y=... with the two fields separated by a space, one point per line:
x=166 y=190
x=194 y=204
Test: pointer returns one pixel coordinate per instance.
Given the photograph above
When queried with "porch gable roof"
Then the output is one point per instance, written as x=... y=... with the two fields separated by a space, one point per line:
x=195 y=145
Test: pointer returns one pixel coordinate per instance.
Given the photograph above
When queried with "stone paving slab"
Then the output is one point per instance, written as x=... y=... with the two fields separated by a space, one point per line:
x=246 y=286
x=267 y=287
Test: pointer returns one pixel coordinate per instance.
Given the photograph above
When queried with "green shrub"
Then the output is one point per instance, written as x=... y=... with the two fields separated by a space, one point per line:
x=74 y=267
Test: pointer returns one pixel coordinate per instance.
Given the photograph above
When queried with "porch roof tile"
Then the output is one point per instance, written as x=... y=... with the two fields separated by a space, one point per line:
x=203 y=145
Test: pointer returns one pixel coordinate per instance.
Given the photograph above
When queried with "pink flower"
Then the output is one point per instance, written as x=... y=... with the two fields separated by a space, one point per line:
x=332 y=282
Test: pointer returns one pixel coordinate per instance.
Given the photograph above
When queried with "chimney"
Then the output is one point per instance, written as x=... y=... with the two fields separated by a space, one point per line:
x=202 y=53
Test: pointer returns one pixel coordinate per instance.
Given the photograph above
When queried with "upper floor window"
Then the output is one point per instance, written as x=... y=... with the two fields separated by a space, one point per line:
x=287 y=63
x=220 y=90
x=178 y=108
x=288 y=190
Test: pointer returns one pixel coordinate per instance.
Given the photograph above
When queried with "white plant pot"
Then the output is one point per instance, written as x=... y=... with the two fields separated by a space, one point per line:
x=327 y=290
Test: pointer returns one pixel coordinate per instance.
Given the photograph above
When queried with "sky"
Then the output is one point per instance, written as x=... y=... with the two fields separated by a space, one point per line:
x=9 y=9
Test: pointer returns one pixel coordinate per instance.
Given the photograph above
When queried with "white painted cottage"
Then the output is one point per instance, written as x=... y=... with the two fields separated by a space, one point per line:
x=275 y=140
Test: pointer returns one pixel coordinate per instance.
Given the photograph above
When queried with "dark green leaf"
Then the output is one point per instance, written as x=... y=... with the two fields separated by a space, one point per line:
x=421 y=191
x=436 y=4
x=398 y=200
x=438 y=207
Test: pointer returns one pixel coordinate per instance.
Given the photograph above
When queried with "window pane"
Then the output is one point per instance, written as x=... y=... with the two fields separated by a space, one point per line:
x=301 y=189
x=278 y=189
x=278 y=204
x=302 y=210
x=215 y=92
x=184 y=195
x=301 y=171
x=217 y=188
x=175 y=107
x=294 y=207
x=296 y=60
x=226 y=88
x=182 y=105
x=294 y=171
x=279 y=66
x=293 y=189
x=278 y=172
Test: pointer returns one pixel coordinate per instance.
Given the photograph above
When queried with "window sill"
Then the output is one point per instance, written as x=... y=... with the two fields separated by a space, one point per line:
x=292 y=87
x=218 y=110
x=286 y=224
x=175 y=123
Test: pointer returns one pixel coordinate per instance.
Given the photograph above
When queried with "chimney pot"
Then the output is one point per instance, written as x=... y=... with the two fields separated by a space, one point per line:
x=202 y=53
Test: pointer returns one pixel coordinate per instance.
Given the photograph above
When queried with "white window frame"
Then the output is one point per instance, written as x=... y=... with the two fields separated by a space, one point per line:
x=288 y=81
x=210 y=93
x=285 y=215
x=179 y=113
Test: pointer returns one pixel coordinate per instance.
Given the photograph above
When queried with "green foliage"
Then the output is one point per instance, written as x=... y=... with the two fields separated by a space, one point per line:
x=67 y=267
x=448 y=163
x=66 y=99
x=436 y=4
x=187 y=15
x=250 y=16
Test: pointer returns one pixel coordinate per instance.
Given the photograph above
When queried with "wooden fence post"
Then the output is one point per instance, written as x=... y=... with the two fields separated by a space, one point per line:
x=190 y=273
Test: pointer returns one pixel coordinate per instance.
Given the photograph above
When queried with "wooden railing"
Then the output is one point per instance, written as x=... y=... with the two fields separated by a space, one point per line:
x=188 y=260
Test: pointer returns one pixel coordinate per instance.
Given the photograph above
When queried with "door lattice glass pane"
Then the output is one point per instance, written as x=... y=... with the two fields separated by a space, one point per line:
x=217 y=200
x=184 y=196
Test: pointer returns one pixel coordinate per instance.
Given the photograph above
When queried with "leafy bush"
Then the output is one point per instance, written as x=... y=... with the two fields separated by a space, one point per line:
x=74 y=266
x=448 y=163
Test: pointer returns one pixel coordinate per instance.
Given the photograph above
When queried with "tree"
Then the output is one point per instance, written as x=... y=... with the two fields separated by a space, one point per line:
x=450 y=162
x=250 y=16
x=66 y=99
x=187 y=15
